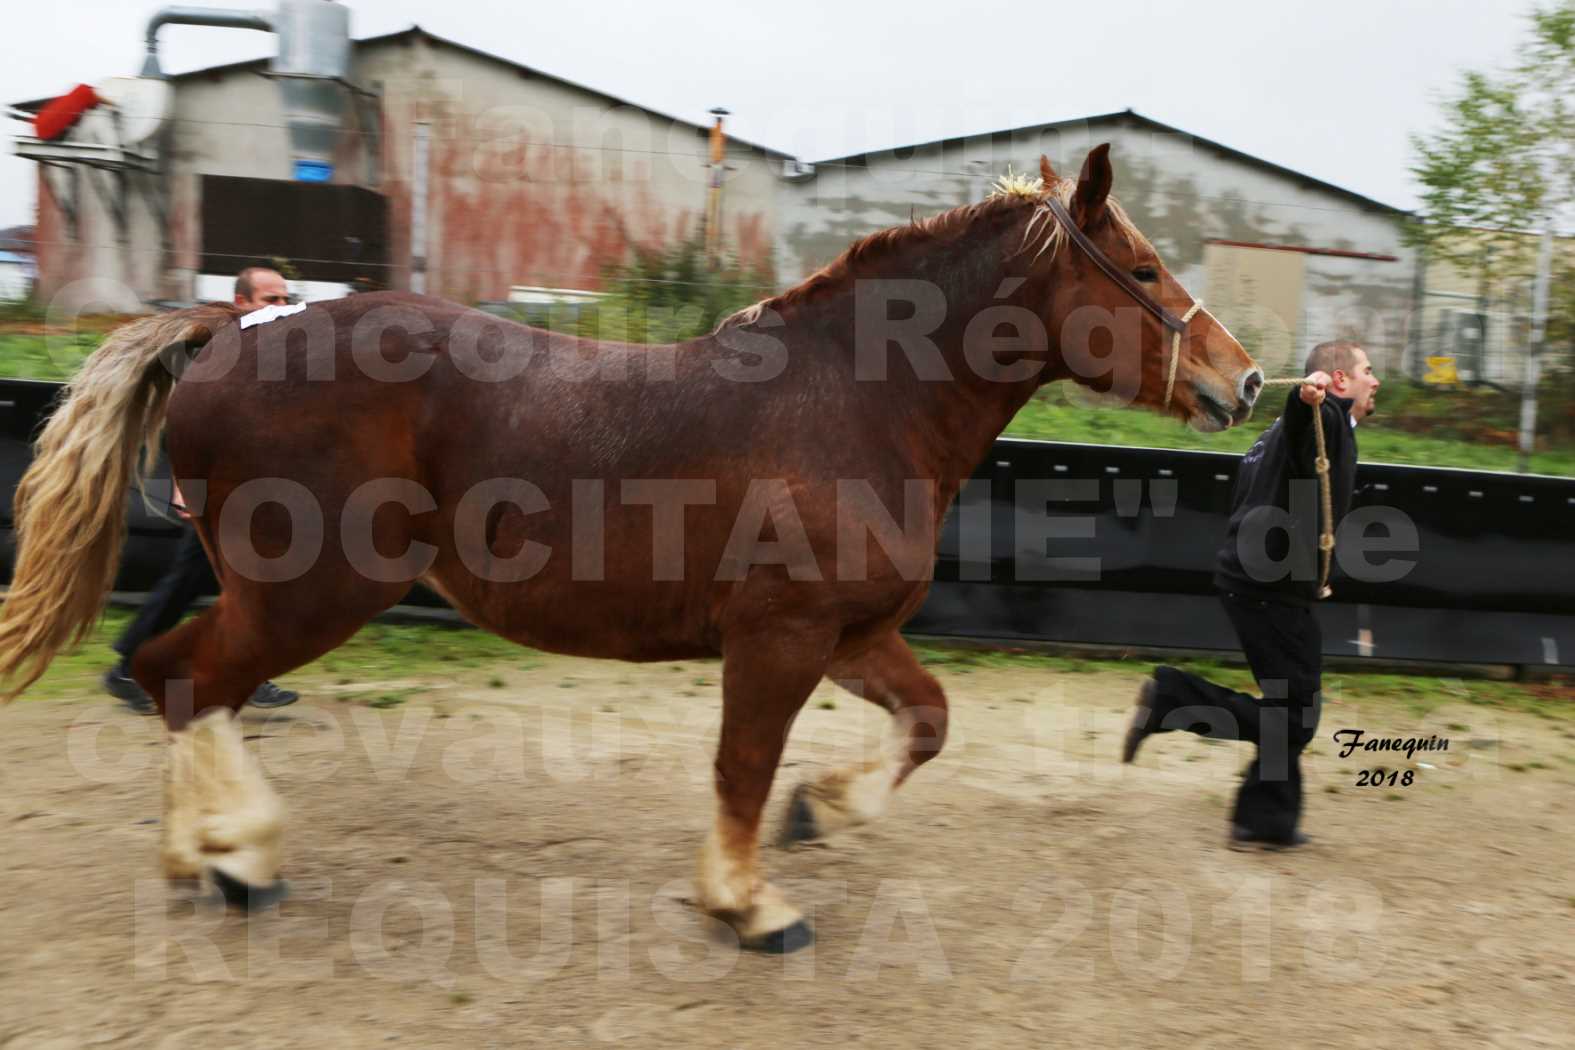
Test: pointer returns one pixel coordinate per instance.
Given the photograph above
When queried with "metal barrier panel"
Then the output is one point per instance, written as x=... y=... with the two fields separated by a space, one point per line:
x=1106 y=545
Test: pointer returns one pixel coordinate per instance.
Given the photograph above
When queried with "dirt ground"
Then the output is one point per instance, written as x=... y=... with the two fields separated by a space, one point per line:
x=506 y=863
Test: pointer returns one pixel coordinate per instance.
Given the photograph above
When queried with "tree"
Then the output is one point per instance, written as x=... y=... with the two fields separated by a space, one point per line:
x=1547 y=75
x=1504 y=162
x=670 y=294
x=1503 y=167
x=1483 y=187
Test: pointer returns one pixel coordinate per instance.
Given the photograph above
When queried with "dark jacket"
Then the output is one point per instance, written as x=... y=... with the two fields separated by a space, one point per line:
x=1271 y=546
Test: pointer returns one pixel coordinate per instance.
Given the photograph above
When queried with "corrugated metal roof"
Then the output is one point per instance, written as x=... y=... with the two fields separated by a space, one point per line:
x=33 y=105
x=1125 y=114
x=1135 y=117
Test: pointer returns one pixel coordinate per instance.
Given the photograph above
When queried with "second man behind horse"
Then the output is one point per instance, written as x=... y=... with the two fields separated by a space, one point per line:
x=189 y=574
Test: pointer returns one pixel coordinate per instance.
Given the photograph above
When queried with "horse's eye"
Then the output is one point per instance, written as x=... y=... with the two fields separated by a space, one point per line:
x=1146 y=274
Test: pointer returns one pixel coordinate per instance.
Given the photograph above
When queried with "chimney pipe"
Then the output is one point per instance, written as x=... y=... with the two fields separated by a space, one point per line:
x=312 y=68
x=197 y=16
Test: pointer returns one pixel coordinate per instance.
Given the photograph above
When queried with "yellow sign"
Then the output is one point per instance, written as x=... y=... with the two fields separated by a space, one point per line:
x=1441 y=372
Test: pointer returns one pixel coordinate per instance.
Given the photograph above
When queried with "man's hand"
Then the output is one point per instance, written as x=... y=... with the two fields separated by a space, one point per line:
x=1315 y=386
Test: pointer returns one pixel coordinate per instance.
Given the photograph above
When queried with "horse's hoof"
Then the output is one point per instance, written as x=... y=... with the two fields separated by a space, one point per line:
x=242 y=897
x=800 y=825
x=784 y=941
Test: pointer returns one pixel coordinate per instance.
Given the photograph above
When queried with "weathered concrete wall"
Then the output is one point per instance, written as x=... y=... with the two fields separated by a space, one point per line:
x=534 y=182
x=99 y=262
x=1181 y=193
x=531 y=181
x=229 y=122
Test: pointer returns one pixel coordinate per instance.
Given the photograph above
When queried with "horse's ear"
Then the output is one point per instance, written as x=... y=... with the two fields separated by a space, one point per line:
x=1047 y=174
x=1093 y=185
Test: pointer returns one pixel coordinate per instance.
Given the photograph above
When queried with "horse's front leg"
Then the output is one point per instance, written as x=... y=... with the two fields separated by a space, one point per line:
x=889 y=675
x=766 y=677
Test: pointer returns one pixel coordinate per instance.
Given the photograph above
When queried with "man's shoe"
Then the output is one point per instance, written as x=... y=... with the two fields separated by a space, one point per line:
x=270 y=695
x=123 y=687
x=1143 y=721
x=1243 y=840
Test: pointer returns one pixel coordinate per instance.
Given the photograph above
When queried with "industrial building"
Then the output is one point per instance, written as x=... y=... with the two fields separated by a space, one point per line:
x=414 y=162
x=1285 y=260
x=402 y=161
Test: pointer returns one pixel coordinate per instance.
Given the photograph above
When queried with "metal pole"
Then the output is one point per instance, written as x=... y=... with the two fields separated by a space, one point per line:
x=713 y=202
x=197 y=16
x=1539 y=329
x=420 y=150
x=1479 y=352
x=1416 y=344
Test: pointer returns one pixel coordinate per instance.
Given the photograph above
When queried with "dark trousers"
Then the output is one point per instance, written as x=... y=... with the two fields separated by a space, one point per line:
x=188 y=576
x=1284 y=647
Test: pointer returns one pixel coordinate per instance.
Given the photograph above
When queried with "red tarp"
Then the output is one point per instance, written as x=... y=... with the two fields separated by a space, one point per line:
x=60 y=115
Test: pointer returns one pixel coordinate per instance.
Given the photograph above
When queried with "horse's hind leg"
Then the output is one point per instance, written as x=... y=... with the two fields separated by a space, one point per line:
x=765 y=680
x=889 y=675
x=220 y=815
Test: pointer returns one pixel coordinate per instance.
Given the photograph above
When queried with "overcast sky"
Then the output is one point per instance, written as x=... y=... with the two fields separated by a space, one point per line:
x=1331 y=89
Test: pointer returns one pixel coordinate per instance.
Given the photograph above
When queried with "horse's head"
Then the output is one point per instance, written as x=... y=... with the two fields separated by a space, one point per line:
x=1115 y=309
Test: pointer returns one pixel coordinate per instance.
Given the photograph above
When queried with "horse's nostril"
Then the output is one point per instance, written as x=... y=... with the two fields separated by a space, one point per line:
x=1251 y=386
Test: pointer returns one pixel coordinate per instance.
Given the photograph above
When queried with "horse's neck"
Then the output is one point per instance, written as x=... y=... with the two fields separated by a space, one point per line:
x=964 y=417
x=960 y=416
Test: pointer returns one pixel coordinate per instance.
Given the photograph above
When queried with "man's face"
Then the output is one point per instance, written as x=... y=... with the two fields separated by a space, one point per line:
x=1360 y=384
x=268 y=289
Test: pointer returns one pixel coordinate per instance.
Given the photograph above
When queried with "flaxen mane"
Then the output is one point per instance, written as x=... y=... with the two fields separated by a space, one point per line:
x=1042 y=234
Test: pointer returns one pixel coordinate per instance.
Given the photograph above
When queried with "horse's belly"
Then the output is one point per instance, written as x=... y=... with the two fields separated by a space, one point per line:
x=580 y=619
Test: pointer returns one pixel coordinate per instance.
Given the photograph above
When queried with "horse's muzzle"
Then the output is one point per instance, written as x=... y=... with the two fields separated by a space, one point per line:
x=1221 y=410
x=1249 y=387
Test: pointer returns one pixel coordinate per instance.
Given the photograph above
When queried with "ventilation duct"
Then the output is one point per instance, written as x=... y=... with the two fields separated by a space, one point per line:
x=312 y=68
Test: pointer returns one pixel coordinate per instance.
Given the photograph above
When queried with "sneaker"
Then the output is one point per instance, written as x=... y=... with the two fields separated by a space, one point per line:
x=1243 y=840
x=1142 y=724
x=123 y=687
x=270 y=695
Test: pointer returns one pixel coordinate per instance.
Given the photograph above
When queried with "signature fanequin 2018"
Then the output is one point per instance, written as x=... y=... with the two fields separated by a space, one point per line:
x=1352 y=740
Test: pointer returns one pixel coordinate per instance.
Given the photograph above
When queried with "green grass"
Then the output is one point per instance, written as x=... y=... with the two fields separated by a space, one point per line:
x=1059 y=415
x=390 y=699
x=414 y=652
x=381 y=650
x=55 y=357
x=378 y=652
x=78 y=671
x=1416 y=425
x=1418 y=693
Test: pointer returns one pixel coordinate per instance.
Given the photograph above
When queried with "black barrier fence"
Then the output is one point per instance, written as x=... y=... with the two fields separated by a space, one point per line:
x=1109 y=546
x=1459 y=566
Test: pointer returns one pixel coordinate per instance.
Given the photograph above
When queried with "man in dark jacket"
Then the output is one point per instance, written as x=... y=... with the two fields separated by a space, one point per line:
x=190 y=575
x=1268 y=577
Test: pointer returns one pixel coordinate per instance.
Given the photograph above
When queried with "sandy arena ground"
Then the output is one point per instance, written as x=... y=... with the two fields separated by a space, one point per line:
x=508 y=865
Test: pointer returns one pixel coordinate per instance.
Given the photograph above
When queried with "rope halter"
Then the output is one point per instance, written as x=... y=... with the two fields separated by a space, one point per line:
x=1177 y=325
x=1175 y=349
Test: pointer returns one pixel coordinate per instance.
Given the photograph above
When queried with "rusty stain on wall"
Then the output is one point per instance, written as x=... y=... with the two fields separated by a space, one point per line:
x=532 y=181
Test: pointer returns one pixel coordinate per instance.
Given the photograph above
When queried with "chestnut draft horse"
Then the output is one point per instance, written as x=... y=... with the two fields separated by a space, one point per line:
x=738 y=494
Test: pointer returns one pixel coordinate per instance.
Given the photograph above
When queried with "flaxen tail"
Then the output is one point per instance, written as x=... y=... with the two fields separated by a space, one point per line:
x=70 y=508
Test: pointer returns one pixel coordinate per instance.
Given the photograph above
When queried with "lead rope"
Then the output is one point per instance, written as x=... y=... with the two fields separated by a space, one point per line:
x=1321 y=464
